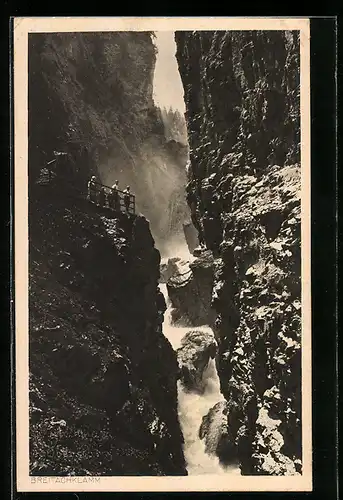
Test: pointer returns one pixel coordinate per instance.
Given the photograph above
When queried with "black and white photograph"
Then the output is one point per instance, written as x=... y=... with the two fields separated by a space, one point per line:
x=164 y=231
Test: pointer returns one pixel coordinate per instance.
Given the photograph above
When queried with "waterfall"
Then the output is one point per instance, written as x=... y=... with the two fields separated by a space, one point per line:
x=193 y=406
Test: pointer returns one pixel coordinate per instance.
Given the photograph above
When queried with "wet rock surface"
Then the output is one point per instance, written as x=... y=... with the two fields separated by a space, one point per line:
x=197 y=348
x=103 y=396
x=173 y=266
x=242 y=108
x=189 y=290
x=216 y=433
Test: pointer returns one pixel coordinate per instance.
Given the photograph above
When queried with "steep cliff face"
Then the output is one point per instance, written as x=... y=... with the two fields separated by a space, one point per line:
x=91 y=96
x=103 y=396
x=242 y=100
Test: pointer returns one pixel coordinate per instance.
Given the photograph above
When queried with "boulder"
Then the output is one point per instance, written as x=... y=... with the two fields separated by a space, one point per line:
x=215 y=431
x=190 y=292
x=171 y=267
x=197 y=348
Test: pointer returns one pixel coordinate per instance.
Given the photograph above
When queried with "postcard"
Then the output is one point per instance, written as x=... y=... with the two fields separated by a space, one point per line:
x=162 y=254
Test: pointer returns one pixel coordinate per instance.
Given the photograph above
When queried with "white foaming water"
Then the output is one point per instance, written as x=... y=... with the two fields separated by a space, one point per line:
x=176 y=248
x=192 y=407
x=175 y=334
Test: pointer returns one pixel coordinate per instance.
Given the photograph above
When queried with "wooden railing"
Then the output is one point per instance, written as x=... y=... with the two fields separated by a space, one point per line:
x=105 y=196
x=100 y=194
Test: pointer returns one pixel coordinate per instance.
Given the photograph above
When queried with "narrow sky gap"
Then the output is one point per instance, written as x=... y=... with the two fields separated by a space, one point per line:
x=168 y=89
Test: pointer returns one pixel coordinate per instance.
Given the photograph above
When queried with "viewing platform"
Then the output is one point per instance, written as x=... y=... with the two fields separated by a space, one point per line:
x=100 y=195
x=114 y=199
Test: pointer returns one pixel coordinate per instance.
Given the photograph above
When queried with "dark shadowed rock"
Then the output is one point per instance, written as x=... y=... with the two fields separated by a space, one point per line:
x=191 y=236
x=103 y=395
x=197 y=348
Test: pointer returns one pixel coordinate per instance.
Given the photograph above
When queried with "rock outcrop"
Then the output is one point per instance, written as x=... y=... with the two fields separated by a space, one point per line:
x=197 y=348
x=172 y=266
x=242 y=110
x=103 y=397
x=216 y=433
x=191 y=236
x=189 y=290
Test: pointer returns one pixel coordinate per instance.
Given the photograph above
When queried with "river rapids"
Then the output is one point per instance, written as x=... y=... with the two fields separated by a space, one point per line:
x=192 y=406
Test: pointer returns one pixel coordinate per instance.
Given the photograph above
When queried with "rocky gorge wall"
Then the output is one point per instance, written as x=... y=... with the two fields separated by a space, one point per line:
x=91 y=96
x=103 y=396
x=242 y=110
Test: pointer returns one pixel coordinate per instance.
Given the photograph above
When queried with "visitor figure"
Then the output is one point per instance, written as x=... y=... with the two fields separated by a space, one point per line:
x=92 y=189
x=114 y=197
x=102 y=197
x=127 y=198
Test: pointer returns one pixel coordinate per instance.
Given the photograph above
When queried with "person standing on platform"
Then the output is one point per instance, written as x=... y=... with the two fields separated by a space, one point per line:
x=114 y=197
x=127 y=196
x=92 y=189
